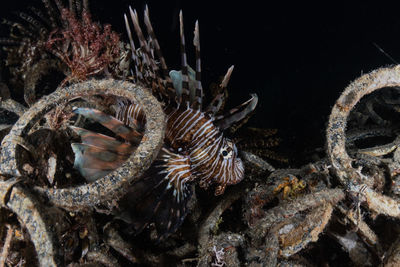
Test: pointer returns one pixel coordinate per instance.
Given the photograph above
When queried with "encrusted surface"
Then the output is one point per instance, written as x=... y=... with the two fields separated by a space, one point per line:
x=31 y=214
x=110 y=186
x=336 y=137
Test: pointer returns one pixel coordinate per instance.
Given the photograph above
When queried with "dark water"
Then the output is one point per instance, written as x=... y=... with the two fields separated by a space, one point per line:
x=297 y=58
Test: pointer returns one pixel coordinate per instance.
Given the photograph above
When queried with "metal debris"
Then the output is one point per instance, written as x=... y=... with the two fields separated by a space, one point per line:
x=112 y=185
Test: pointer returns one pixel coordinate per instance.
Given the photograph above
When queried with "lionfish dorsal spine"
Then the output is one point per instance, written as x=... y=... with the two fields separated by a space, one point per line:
x=198 y=94
x=167 y=87
x=148 y=60
x=185 y=96
x=216 y=104
x=138 y=75
x=151 y=33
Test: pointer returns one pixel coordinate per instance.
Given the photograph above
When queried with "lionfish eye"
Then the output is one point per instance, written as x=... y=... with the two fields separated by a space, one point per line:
x=226 y=152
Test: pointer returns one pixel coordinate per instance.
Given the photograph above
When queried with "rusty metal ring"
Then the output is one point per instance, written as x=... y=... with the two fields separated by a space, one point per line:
x=335 y=132
x=111 y=186
x=31 y=214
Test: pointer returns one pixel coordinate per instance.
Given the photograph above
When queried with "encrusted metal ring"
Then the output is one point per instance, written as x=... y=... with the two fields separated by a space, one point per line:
x=32 y=216
x=335 y=133
x=112 y=185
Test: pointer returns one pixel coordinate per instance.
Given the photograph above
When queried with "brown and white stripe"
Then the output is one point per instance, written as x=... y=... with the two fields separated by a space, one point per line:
x=194 y=150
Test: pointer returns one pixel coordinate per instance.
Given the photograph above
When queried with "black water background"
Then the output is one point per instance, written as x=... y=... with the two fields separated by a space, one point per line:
x=296 y=57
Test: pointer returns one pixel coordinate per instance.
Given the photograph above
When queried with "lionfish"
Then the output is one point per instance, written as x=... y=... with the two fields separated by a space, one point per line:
x=194 y=150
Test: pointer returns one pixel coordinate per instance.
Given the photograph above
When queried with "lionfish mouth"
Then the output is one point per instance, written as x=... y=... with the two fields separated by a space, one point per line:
x=238 y=171
x=233 y=176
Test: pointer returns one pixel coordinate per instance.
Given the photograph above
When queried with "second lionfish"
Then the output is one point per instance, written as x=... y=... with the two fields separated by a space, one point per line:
x=194 y=150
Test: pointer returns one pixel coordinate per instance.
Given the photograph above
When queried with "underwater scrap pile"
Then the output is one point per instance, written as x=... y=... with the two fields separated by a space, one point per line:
x=105 y=163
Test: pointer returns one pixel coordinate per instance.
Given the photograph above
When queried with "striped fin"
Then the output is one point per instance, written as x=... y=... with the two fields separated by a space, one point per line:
x=26 y=33
x=135 y=58
x=143 y=44
x=145 y=62
x=162 y=195
x=216 y=103
x=111 y=123
x=103 y=141
x=157 y=82
x=185 y=77
x=100 y=154
x=95 y=162
x=170 y=92
x=98 y=158
x=131 y=115
x=37 y=26
x=198 y=92
x=40 y=15
x=155 y=41
x=7 y=41
x=236 y=114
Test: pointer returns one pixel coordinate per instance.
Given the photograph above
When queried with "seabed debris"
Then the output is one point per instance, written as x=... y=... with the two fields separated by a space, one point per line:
x=342 y=208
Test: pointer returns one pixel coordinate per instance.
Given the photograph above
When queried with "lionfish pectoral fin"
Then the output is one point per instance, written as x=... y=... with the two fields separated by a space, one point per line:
x=111 y=123
x=237 y=114
x=172 y=211
x=161 y=195
x=94 y=162
x=103 y=141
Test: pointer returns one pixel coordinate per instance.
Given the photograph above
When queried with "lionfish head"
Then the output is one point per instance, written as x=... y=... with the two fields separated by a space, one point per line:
x=231 y=169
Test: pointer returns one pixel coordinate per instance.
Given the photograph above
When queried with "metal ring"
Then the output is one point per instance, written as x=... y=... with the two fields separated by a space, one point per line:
x=335 y=132
x=113 y=185
x=32 y=216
